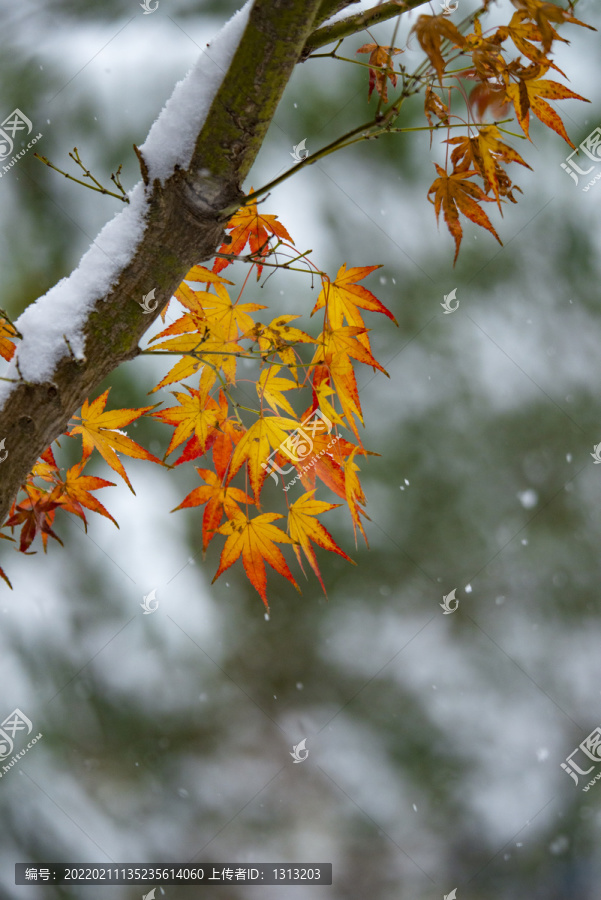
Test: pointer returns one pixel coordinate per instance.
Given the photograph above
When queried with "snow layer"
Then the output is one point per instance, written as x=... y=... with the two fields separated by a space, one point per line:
x=65 y=308
x=171 y=139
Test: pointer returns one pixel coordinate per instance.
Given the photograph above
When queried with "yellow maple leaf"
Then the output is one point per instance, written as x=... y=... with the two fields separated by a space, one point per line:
x=343 y=298
x=100 y=430
x=264 y=435
x=270 y=387
x=303 y=527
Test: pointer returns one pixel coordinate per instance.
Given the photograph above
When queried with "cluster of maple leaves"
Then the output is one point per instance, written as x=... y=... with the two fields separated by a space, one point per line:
x=210 y=336
x=212 y=332
x=504 y=82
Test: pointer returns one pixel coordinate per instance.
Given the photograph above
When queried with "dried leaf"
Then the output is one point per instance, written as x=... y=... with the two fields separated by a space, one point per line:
x=454 y=194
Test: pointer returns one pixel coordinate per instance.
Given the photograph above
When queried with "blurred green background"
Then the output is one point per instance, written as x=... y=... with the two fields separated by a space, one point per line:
x=434 y=741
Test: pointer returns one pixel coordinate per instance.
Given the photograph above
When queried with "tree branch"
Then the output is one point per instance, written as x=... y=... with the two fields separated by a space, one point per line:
x=329 y=8
x=181 y=222
x=352 y=24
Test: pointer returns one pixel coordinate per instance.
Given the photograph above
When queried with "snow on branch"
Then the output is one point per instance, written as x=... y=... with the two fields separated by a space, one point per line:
x=172 y=137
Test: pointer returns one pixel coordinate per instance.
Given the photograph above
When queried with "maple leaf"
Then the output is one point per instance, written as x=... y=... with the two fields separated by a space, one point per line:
x=336 y=349
x=270 y=387
x=99 y=429
x=219 y=498
x=224 y=441
x=204 y=276
x=233 y=317
x=279 y=336
x=381 y=68
x=192 y=300
x=485 y=52
x=543 y=14
x=214 y=344
x=268 y=432
x=322 y=391
x=46 y=467
x=303 y=527
x=343 y=298
x=486 y=96
x=483 y=152
x=433 y=104
x=197 y=414
x=355 y=495
x=7 y=330
x=73 y=493
x=256 y=540
x=326 y=460
x=454 y=194
x=248 y=227
x=36 y=514
x=522 y=33
x=528 y=95
x=206 y=308
x=430 y=32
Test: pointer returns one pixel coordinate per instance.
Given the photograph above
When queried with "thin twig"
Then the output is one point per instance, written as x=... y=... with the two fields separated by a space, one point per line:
x=100 y=189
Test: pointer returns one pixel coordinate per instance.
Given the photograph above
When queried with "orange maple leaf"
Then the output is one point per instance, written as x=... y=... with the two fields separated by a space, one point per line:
x=219 y=498
x=343 y=298
x=266 y=434
x=247 y=226
x=543 y=14
x=303 y=527
x=381 y=67
x=454 y=194
x=256 y=540
x=355 y=495
x=528 y=95
x=483 y=153
x=46 y=467
x=522 y=33
x=430 y=32
x=73 y=493
x=196 y=414
x=99 y=429
x=337 y=347
x=7 y=348
x=36 y=514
